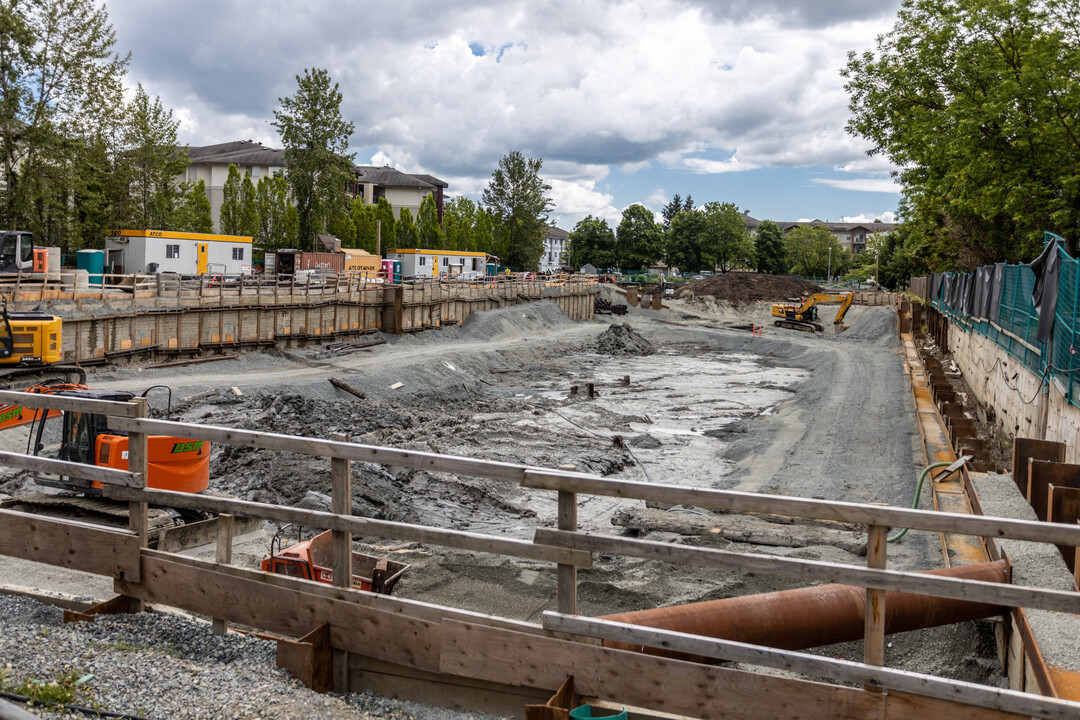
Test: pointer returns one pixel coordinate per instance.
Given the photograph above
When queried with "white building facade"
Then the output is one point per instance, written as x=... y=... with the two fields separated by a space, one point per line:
x=556 y=246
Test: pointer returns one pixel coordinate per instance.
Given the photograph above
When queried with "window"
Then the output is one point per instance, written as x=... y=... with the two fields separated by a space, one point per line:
x=238 y=253
x=423 y=261
x=193 y=174
x=255 y=172
x=172 y=252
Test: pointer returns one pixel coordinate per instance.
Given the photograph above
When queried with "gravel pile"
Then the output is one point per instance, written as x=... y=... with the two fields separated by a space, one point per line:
x=624 y=340
x=160 y=665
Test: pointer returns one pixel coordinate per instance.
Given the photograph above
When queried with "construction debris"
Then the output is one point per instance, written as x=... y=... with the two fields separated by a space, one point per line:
x=603 y=307
x=347 y=388
x=341 y=348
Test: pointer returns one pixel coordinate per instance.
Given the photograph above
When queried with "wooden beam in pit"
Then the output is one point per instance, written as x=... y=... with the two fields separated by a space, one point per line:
x=70 y=544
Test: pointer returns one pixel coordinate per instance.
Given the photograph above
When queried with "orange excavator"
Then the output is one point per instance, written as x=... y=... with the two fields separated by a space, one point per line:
x=312 y=560
x=175 y=463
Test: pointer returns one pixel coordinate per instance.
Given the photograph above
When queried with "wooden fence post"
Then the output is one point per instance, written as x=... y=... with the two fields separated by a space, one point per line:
x=566 y=583
x=138 y=462
x=224 y=556
x=874 y=626
x=341 y=504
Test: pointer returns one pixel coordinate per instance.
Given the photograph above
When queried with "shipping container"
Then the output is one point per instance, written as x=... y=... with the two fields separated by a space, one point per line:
x=288 y=262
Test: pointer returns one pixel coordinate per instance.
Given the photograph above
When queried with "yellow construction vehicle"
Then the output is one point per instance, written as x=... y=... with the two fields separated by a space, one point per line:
x=30 y=348
x=803 y=316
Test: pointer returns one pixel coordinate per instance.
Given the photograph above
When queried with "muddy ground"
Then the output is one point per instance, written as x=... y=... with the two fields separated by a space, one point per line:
x=742 y=288
x=825 y=416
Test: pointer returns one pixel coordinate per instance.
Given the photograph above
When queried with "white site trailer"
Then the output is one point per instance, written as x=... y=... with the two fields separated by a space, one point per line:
x=144 y=251
x=439 y=263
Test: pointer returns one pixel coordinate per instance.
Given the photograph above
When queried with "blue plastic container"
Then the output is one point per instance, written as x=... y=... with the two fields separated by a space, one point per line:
x=93 y=262
x=588 y=712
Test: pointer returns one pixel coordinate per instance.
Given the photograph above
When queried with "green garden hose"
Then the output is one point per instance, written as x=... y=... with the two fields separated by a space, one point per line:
x=918 y=492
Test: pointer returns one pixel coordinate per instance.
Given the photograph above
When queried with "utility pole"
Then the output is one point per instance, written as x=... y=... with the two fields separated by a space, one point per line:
x=877 y=268
x=830 y=264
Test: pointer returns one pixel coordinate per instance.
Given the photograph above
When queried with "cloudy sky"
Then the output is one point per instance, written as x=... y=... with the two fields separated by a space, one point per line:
x=626 y=102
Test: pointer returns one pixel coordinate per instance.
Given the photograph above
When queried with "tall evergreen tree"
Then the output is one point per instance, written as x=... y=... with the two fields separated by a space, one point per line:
x=194 y=213
x=387 y=225
x=363 y=218
x=517 y=198
x=230 y=215
x=249 y=211
x=277 y=216
x=408 y=236
x=672 y=209
x=316 y=140
x=430 y=231
x=459 y=219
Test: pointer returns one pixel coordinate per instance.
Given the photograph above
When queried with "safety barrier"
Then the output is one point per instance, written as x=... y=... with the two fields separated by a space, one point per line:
x=484 y=662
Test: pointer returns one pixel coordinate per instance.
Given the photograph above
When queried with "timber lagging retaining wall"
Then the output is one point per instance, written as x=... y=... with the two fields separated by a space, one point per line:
x=100 y=327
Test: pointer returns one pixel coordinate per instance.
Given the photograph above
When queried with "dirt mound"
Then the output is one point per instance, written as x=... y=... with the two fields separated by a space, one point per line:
x=877 y=325
x=622 y=339
x=517 y=320
x=741 y=288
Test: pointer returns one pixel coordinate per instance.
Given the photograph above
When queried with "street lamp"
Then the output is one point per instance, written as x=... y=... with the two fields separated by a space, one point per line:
x=830 y=264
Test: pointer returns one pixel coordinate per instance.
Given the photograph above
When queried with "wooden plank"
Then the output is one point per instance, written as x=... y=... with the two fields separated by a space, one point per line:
x=566 y=580
x=361 y=526
x=308 y=659
x=139 y=462
x=671 y=686
x=814 y=570
x=410 y=608
x=1041 y=474
x=341 y=551
x=223 y=555
x=874 y=632
x=1063 y=506
x=431 y=462
x=1030 y=448
x=36 y=401
x=1013 y=704
x=441 y=689
x=69 y=543
x=386 y=636
x=72 y=469
x=839 y=511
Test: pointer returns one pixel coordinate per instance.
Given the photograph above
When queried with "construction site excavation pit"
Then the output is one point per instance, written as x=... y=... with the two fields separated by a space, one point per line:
x=678 y=396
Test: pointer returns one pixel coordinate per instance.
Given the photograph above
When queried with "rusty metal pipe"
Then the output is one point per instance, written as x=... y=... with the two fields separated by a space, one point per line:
x=812 y=616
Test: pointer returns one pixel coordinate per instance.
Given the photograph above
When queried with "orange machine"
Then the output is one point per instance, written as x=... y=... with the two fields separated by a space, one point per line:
x=311 y=560
x=175 y=463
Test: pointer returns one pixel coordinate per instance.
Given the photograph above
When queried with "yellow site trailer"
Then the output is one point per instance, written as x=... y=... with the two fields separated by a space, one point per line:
x=147 y=251
x=362 y=262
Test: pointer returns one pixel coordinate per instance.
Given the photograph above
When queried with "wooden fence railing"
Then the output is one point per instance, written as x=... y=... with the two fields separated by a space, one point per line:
x=429 y=639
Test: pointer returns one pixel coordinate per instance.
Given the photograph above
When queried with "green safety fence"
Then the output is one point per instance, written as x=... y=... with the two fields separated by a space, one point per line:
x=1017 y=324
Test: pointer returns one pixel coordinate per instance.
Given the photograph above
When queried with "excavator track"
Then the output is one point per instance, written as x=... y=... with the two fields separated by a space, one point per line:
x=804 y=326
x=16 y=377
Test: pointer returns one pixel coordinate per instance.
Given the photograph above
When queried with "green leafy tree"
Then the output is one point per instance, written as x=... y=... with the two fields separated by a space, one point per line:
x=517 y=198
x=459 y=219
x=230 y=213
x=408 y=236
x=316 y=140
x=249 y=211
x=387 y=225
x=363 y=218
x=726 y=242
x=195 y=214
x=639 y=240
x=491 y=238
x=343 y=228
x=684 y=241
x=592 y=241
x=61 y=108
x=278 y=219
x=808 y=247
x=151 y=152
x=428 y=227
x=978 y=103
x=770 y=256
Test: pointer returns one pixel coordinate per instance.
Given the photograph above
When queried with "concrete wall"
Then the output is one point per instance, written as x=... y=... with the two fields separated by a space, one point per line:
x=1002 y=382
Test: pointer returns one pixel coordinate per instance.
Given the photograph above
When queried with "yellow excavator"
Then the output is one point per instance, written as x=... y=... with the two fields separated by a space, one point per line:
x=803 y=316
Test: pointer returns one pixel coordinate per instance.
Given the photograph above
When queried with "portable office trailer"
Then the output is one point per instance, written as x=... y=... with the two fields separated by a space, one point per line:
x=362 y=262
x=144 y=251
x=439 y=263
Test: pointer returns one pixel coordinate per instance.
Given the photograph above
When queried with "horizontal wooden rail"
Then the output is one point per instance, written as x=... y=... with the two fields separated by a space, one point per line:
x=819 y=571
x=432 y=462
x=459 y=539
x=842 y=670
x=70 y=543
x=71 y=469
x=955 y=523
x=41 y=401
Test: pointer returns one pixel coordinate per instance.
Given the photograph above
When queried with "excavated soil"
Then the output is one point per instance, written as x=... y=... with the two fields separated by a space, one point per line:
x=742 y=288
x=706 y=406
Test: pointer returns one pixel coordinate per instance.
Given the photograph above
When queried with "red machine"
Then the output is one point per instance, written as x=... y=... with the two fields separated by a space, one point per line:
x=311 y=560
